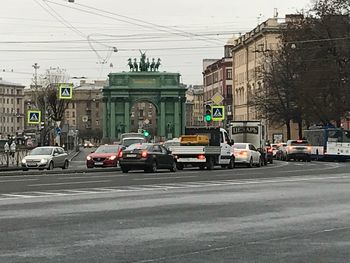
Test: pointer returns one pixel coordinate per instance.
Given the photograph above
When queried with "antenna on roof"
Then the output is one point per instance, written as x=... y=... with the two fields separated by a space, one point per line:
x=275 y=13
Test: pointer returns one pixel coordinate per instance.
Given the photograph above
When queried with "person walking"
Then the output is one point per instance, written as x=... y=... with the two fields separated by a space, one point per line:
x=13 y=149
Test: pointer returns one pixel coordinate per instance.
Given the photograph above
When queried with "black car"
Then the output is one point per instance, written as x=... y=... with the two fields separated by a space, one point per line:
x=148 y=157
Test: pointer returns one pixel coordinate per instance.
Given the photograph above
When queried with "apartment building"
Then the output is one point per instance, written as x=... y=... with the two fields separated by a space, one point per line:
x=11 y=109
x=218 y=80
x=248 y=52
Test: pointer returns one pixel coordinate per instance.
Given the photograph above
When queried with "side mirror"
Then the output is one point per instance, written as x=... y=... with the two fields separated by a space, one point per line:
x=55 y=154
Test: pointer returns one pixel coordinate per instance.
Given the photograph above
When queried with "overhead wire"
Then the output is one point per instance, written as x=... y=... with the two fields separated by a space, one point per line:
x=144 y=24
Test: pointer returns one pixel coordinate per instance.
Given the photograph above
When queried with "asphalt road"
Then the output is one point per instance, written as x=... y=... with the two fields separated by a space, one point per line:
x=285 y=212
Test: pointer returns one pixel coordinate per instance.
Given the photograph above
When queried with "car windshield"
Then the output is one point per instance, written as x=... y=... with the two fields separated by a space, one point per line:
x=108 y=149
x=128 y=142
x=240 y=146
x=41 y=151
x=138 y=146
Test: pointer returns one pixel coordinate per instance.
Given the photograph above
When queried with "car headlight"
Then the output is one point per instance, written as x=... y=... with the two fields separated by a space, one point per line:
x=24 y=161
x=43 y=161
x=88 y=158
x=112 y=157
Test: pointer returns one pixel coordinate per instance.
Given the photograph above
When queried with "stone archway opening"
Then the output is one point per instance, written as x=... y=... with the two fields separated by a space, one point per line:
x=144 y=116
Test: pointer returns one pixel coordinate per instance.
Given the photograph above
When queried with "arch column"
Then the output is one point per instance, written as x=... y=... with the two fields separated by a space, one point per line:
x=127 y=116
x=112 y=120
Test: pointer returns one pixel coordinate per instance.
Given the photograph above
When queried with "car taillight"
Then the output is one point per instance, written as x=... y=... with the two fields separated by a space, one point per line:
x=290 y=148
x=269 y=150
x=144 y=154
x=243 y=153
x=201 y=157
x=120 y=154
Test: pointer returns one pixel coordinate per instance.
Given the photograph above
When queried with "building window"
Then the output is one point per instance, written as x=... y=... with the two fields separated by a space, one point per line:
x=97 y=104
x=73 y=113
x=228 y=73
x=73 y=121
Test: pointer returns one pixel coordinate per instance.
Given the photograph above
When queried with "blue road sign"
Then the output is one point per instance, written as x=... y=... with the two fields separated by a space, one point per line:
x=218 y=113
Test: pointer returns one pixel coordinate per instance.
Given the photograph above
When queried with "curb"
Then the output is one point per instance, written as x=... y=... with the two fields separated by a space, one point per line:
x=60 y=171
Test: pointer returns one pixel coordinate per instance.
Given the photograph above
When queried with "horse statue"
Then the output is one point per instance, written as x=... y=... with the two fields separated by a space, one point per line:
x=153 y=64
x=147 y=64
x=136 y=66
x=156 y=67
x=143 y=61
x=131 y=66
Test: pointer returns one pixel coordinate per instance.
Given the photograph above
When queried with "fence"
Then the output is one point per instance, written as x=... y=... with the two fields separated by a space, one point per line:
x=8 y=159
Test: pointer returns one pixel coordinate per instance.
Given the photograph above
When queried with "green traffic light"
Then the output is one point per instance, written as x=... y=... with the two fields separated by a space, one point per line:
x=208 y=117
x=146 y=133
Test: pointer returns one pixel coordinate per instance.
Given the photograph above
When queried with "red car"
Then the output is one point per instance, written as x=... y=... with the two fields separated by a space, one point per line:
x=104 y=156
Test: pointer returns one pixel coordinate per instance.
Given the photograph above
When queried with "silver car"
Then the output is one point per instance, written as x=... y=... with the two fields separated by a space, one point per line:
x=47 y=157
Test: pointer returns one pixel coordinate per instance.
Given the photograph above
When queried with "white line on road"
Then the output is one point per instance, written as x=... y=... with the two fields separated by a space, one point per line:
x=18 y=195
x=69 y=183
x=161 y=178
x=17 y=180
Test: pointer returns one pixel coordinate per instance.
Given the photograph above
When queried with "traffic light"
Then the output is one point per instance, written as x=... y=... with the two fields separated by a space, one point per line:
x=207 y=116
x=145 y=133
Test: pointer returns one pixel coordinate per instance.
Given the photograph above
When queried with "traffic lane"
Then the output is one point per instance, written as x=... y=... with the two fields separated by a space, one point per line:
x=282 y=222
x=135 y=178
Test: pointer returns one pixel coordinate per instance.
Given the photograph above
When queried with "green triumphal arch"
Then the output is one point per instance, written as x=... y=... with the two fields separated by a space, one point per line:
x=162 y=89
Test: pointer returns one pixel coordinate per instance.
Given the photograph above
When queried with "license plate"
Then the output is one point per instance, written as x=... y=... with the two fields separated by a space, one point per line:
x=98 y=163
x=131 y=155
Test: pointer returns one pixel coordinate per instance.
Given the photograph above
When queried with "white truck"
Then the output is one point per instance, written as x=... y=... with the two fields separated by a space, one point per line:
x=254 y=132
x=127 y=139
x=218 y=151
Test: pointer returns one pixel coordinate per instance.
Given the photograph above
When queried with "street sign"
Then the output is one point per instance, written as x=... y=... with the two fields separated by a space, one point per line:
x=34 y=117
x=217 y=98
x=58 y=130
x=66 y=91
x=218 y=113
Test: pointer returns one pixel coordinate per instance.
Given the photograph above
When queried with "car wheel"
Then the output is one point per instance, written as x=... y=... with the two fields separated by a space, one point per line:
x=179 y=166
x=210 y=164
x=153 y=168
x=124 y=169
x=271 y=161
x=250 y=164
x=66 y=164
x=231 y=165
x=287 y=158
x=50 y=167
x=173 y=167
x=24 y=170
x=261 y=163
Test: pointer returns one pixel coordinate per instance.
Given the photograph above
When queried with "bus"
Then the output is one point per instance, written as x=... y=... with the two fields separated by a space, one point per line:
x=329 y=143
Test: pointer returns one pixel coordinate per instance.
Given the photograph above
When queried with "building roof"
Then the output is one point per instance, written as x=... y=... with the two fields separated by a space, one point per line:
x=10 y=84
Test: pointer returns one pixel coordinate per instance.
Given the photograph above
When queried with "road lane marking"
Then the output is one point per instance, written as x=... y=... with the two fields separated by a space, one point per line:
x=69 y=183
x=19 y=195
x=17 y=180
x=161 y=178
x=89 y=177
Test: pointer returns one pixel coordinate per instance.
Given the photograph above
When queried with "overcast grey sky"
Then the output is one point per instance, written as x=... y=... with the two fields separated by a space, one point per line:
x=55 y=33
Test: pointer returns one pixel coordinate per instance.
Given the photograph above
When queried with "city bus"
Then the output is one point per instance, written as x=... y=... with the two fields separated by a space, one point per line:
x=329 y=143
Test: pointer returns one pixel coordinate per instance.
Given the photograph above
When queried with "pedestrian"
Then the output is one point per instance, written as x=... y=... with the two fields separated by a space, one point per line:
x=13 y=149
x=6 y=147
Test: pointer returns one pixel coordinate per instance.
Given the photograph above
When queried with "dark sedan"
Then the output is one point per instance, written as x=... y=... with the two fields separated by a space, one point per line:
x=104 y=156
x=148 y=157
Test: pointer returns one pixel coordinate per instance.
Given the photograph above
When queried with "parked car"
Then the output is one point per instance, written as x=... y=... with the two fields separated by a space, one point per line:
x=281 y=153
x=298 y=150
x=246 y=153
x=104 y=156
x=46 y=157
x=148 y=157
x=274 y=147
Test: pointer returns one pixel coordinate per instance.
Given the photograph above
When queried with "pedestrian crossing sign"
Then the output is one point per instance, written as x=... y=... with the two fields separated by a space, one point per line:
x=66 y=91
x=34 y=117
x=218 y=113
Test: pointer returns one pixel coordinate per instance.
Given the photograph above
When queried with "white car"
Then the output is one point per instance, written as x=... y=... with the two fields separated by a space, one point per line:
x=46 y=157
x=246 y=153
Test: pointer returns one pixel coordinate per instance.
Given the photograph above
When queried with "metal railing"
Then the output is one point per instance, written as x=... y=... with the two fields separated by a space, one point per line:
x=9 y=159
